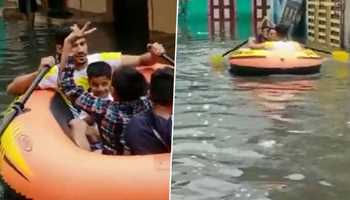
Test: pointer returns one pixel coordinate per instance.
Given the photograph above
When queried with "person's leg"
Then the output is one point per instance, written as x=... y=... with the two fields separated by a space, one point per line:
x=78 y=133
x=93 y=134
x=94 y=139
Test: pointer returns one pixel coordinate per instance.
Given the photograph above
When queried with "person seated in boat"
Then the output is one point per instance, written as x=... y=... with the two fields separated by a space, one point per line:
x=264 y=34
x=21 y=83
x=150 y=132
x=277 y=40
x=82 y=60
x=129 y=87
x=259 y=41
x=84 y=130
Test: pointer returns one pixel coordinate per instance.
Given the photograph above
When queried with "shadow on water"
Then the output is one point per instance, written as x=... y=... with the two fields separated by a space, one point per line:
x=275 y=137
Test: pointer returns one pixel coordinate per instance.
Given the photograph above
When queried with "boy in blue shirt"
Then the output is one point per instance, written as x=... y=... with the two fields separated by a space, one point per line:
x=150 y=132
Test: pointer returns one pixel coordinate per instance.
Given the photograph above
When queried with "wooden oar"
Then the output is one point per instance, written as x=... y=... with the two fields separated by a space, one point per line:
x=18 y=106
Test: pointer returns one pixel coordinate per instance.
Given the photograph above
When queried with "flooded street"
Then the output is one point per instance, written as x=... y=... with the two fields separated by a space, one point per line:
x=277 y=137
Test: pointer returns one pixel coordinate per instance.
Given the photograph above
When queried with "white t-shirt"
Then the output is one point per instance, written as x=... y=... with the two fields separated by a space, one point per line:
x=80 y=77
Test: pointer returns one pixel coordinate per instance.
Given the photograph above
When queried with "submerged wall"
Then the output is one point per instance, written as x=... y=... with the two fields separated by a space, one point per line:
x=347 y=25
x=162 y=15
x=163 y=12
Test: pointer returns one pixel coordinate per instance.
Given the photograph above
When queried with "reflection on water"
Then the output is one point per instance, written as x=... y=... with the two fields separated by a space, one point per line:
x=277 y=137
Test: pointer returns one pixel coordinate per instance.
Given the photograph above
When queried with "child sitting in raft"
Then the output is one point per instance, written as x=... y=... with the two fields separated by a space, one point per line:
x=278 y=40
x=264 y=34
x=150 y=132
x=128 y=89
x=84 y=128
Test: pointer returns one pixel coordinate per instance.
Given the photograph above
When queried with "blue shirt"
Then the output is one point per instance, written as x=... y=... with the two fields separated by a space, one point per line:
x=140 y=137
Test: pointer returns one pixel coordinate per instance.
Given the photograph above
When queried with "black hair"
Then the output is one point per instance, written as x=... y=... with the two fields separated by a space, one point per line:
x=129 y=84
x=282 y=30
x=97 y=69
x=266 y=27
x=162 y=86
x=61 y=33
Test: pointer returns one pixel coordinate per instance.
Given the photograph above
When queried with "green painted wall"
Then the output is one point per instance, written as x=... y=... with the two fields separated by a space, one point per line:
x=244 y=18
x=195 y=17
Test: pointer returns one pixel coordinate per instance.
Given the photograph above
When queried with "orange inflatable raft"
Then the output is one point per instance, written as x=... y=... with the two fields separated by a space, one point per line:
x=250 y=62
x=40 y=161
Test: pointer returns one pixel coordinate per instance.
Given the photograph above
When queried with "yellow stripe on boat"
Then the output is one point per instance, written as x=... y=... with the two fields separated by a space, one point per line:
x=307 y=53
x=10 y=149
x=246 y=52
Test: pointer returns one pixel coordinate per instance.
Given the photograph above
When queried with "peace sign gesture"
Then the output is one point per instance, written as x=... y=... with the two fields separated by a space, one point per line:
x=79 y=33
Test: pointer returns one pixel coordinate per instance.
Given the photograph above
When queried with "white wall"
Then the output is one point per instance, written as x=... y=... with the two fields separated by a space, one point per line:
x=347 y=25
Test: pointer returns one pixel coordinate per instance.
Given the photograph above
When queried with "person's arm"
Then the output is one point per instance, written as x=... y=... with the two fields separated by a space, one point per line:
x=253 y=45
x=81 y=99
x=21 y=83
x=146 y=59
x=73 y=36
x=76 y=94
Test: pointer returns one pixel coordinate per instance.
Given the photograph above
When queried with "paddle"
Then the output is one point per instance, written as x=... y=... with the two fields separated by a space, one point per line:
x=19 y=104
x=167 y=58
x=235 y=48
x=217 y=60
x=337 y=55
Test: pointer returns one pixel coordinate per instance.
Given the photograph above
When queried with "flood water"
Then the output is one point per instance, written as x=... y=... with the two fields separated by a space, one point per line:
x=276 y=137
